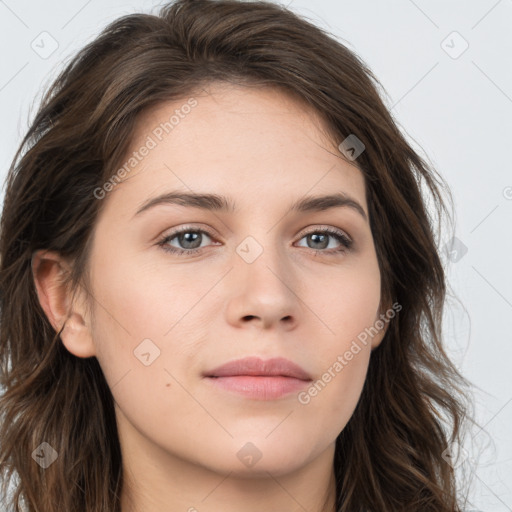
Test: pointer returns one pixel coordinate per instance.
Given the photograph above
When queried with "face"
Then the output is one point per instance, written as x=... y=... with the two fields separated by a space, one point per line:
x=256 y=279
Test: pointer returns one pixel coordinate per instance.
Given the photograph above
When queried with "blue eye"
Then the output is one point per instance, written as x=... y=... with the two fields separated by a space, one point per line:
x=182 y=235
x=191 y=239
x=323 y=235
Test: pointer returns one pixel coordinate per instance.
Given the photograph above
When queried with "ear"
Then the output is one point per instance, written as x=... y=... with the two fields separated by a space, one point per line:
x=49 y=271
x=381 y=324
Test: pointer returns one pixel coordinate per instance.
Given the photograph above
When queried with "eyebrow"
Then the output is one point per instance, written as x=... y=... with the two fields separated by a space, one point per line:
x=216 y=202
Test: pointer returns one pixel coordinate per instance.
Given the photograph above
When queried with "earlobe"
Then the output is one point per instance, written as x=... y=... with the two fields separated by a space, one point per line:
x=377 y=339
x=49 y=272
x=381 y=324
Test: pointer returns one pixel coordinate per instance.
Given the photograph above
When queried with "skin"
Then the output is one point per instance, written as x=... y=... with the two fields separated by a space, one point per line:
x=180 y=436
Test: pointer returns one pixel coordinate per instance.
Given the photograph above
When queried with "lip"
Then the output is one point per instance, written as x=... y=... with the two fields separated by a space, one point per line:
x=259 y=379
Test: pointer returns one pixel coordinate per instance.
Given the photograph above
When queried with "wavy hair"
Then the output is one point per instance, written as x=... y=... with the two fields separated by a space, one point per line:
x=414 y=404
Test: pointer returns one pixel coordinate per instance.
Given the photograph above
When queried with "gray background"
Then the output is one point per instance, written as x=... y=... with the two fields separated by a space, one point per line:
x=453 y=103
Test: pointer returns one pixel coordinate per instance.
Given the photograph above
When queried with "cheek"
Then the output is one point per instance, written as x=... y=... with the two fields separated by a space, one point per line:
x=144 y=299
x=349 y=308
x=140 y=312
x=346 y=300
x=335 y=390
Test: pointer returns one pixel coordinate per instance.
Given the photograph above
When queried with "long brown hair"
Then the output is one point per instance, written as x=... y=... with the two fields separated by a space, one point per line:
x=414 y=403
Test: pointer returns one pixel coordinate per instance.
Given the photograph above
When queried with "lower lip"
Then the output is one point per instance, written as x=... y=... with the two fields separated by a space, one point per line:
x=259 y=387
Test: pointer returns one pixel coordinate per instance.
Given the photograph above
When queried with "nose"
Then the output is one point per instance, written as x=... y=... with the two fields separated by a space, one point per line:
x=264 y=292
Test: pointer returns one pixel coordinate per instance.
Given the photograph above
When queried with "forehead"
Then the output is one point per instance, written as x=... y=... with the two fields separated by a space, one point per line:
x=238 y=139
x=256 y=109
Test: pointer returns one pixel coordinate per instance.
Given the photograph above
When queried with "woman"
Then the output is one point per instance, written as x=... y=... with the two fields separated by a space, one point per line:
x=290 y=357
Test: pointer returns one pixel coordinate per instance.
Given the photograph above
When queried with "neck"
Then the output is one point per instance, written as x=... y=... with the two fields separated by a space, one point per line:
x=167 y=484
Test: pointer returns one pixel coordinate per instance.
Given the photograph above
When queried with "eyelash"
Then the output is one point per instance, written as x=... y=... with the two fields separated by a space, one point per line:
x=345 y=241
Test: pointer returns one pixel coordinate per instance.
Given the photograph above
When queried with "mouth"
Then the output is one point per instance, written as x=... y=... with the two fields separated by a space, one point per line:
x=259 y=379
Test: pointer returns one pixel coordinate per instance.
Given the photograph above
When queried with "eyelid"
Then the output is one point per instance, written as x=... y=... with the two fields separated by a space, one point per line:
x=188 y=227
x=305 y=231
x=324 y=227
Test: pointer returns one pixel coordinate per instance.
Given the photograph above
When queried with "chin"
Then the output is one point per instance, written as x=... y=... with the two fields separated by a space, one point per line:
x=258 y=458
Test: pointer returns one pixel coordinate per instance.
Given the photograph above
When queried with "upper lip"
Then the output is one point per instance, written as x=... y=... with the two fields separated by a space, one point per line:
x=277 y=366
